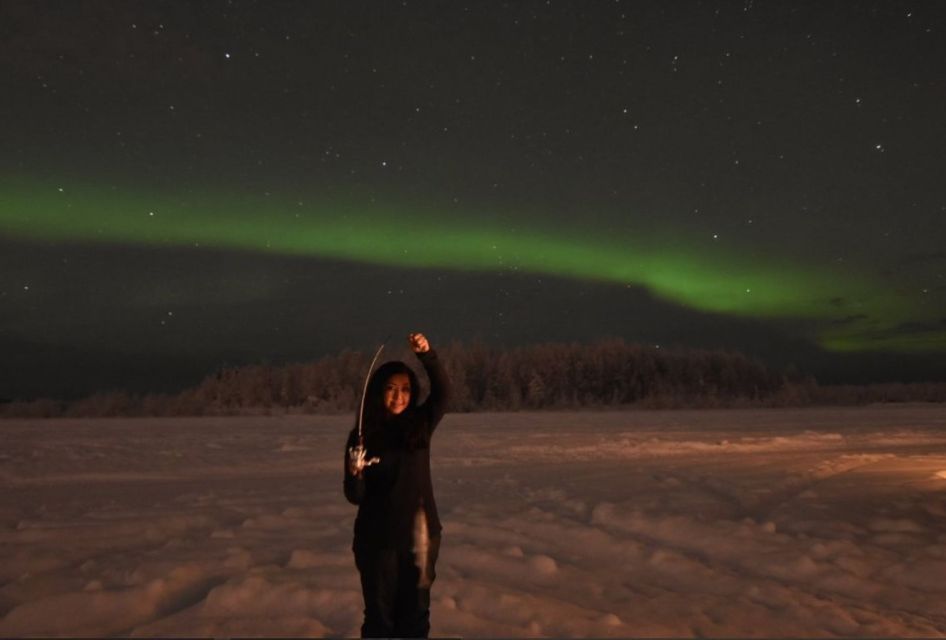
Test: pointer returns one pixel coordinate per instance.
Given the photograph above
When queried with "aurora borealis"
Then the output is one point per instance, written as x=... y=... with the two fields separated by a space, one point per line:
x=741 y=175
x=726 y=282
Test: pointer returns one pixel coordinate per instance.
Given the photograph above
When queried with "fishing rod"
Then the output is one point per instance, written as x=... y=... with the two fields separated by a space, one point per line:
x=364 y=392
x=358 y=453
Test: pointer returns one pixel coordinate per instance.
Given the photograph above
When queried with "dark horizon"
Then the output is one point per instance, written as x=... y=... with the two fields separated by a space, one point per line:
x=81 y=374
x=607 y=374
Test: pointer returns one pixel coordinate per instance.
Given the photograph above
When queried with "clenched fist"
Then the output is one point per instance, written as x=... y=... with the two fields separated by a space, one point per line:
x=418 y=342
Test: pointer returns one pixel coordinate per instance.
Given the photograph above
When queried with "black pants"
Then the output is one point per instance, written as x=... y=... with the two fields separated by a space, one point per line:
x=396 y=586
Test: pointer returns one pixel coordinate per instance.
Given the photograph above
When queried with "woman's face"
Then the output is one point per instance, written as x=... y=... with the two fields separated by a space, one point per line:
x=397 y=393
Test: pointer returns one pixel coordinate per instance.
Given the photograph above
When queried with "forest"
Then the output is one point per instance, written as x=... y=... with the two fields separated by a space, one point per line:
x=605 y=374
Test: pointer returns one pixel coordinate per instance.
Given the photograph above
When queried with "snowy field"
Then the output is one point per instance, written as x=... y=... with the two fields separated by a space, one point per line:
x=816 y=522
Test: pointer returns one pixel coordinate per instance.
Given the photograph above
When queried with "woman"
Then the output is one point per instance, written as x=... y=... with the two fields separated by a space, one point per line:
x=397 y=530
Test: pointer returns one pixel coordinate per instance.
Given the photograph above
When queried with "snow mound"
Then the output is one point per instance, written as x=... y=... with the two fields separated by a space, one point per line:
x=544 y=565
x=304 y=559
x=98 y=612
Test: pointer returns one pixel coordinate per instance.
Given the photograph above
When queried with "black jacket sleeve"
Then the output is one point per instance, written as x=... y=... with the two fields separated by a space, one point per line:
x=436 y=404
x=354 y=485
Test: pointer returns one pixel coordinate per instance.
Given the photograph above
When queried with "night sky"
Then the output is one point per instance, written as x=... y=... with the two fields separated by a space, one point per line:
x=188 y=185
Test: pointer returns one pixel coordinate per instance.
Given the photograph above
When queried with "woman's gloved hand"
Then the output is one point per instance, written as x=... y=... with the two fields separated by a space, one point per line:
x=358 y=460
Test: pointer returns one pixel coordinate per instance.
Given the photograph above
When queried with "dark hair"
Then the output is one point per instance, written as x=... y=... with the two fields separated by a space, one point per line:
x=375 y=414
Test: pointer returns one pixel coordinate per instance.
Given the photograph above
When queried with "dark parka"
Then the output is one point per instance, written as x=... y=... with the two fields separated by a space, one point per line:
x=390 y=493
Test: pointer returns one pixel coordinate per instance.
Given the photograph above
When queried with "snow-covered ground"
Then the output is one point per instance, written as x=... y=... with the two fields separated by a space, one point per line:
x=816 y=522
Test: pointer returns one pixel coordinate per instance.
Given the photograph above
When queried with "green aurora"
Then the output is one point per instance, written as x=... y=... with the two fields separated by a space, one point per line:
x=846 y=311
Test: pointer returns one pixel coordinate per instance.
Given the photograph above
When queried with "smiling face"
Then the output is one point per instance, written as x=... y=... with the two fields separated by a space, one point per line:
x=397 y=393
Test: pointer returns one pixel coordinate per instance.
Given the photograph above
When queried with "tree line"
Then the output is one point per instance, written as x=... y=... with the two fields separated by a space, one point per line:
x=605 y=374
